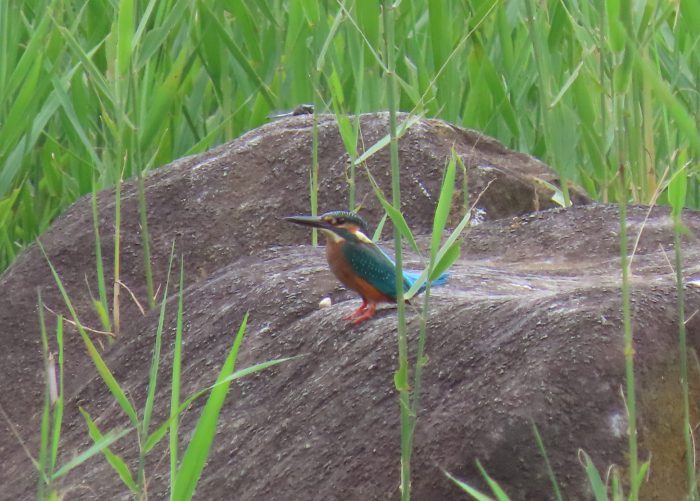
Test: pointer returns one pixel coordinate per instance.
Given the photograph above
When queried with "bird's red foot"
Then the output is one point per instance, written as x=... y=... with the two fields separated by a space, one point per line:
x=358 y=312
x=366 y=314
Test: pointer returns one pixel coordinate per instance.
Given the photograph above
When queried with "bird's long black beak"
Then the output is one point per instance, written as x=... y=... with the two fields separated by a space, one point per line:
x=313 y=221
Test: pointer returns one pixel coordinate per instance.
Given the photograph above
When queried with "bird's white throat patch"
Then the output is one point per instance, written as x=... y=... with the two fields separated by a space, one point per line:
x=362 y=237
x=331 y=236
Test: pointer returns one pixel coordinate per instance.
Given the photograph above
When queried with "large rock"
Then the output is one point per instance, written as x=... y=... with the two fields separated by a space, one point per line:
x=527 y=331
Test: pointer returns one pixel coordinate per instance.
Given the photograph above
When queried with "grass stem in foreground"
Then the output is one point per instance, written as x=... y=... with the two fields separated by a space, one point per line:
x=401 y=377
x=628 y=345
x=677 y=189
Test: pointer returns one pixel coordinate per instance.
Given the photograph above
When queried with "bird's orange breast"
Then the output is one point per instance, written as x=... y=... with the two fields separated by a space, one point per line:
x=341 y=269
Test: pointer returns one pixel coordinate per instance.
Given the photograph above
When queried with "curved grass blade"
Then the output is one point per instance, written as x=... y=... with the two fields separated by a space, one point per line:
x=115 y=461
x=594 y=479
x=396 y=216
x=550 y=471
x=155 y=360
x=238 y=55
x=58 y=404
x=96 y=448
x=159 y=433
x=497 y=490
x=384 y=142
x=475 y=493
x=172 y=423
x=442 y=212
x=195 y=456
x=100 y=365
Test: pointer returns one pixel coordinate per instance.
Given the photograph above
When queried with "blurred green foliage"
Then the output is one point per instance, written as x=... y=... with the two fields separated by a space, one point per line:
x=94 y=90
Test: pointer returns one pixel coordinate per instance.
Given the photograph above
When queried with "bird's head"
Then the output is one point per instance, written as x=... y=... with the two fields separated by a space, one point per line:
x=337 y=226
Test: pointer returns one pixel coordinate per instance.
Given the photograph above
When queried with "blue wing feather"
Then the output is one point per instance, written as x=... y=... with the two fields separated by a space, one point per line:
x=371 y=263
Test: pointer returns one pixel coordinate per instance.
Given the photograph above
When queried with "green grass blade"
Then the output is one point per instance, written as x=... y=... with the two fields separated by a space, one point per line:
x=22 y=106
x=628 y=341
x=116 y=316
x=30 y=53
x=644 y=471
x=137 y=38
x=96 y=75
x=442 y=212
x=394 y=210
x=125 y=32
x=73 y=120
x=175 y=380
x=145 y=238
x=384 y=141
x=155 y=359
x=12 y=166
x=101 y=288
x=97 y=360
x=103 y=314
x=197 y=451
x=164 y=98
x=115 y=461
x=313 y=175
x=160 y=432
x=448 y=258
x=495 y=488
x=230 y=44
x=684 y=119
x=157 y=38
x=330 y=37
x=96 y=448
x=380 y=227
x=475 y=493
x=550 y=471
x=251 y=370
x=43 y=466
x=616 y=486
x=58 y=404
x=394 y=214
x=446 y=252
x=677 y=190
x=594 y=479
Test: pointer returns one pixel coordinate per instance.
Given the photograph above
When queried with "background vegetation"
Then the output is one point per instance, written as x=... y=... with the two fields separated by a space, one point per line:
x=91 y=91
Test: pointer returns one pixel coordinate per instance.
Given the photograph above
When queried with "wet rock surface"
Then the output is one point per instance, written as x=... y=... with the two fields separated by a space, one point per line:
x=528 y=330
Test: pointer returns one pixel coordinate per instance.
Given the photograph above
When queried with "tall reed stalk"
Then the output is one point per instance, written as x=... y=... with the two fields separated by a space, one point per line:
x=102 y=306
x=145 y=239
x=116 y=285
x=628 y=347
x=683 y=349
x=313 y=175
x=401 y=376
x=677 y=195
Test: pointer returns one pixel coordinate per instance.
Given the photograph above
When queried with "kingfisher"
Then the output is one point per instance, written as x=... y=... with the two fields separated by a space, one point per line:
x=359 y=263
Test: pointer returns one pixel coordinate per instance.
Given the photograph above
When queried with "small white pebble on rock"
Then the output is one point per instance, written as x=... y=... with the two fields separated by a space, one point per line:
x=326 y=302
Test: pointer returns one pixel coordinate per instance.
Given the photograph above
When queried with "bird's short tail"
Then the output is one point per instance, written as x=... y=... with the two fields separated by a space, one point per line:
x=441 y=280
x=412 y=276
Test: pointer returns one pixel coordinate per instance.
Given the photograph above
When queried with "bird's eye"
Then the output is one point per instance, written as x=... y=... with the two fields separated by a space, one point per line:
x=340 y=220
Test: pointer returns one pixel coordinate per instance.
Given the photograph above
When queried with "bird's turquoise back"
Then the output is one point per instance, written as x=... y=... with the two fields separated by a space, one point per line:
x=372 y=264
